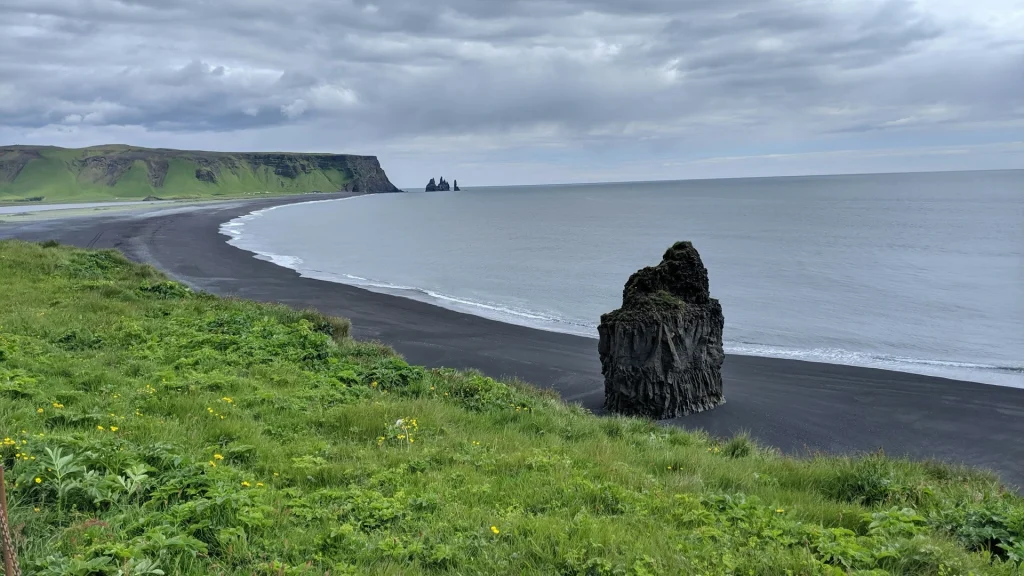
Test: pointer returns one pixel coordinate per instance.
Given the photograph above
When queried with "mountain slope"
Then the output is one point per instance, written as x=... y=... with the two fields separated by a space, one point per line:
x=48 y=173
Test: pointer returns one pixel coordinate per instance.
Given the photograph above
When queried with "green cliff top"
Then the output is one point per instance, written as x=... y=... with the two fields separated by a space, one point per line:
x=120 y=172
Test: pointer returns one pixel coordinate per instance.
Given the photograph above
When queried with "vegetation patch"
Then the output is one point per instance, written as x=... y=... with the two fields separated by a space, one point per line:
x=150 y=429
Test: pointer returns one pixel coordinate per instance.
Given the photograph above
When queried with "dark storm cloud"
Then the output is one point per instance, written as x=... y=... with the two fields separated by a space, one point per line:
x=578 y=68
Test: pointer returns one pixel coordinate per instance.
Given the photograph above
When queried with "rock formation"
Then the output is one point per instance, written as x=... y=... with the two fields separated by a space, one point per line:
x=441 y=186
x=661 y=352
x=455 y=185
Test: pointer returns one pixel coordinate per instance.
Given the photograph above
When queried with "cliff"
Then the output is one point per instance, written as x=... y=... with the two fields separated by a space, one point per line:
x=128 y=172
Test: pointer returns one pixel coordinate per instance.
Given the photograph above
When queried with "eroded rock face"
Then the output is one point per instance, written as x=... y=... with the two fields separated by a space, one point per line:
x=661 y=352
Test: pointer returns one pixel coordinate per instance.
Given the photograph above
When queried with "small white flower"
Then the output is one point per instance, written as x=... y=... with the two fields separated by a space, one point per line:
x=399 y=422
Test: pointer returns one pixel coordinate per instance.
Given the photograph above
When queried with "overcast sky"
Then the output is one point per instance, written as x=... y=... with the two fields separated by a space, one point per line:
x=529 y=91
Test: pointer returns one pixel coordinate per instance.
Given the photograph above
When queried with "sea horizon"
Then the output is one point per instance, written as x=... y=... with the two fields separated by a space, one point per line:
x=419 y=187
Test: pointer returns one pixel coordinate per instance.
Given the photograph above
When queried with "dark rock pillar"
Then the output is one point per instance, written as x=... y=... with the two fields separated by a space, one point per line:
x=661 y=352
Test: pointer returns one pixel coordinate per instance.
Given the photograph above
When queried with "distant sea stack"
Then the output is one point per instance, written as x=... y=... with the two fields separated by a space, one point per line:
x=441 y=186
x=127 y=171
x=661 y=352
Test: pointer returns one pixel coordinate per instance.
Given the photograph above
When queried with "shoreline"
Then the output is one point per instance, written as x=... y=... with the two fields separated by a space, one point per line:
x=798 y=406
x=967 y=371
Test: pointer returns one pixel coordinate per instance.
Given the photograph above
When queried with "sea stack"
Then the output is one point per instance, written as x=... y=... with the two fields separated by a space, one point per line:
x=441 y=186
x=661 y=352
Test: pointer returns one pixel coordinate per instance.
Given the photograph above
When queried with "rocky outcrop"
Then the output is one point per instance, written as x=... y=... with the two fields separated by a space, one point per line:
x=455 y=185
x=13 y=161
x=442 y=186
x=661 y=352
x=206 y=175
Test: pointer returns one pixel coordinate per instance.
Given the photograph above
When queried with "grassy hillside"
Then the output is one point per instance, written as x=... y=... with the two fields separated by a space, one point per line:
x=50 y=174
x=148 y=429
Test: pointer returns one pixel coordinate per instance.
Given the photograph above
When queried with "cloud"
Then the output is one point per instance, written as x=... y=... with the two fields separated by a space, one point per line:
x=575 y=80
x=295 y=109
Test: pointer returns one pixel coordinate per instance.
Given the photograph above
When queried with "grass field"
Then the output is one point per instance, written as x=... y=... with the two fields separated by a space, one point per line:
x=50 y=174
x=148 y=429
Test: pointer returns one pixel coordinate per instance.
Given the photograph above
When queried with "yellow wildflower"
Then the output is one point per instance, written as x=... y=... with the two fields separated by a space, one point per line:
x=245 y=483
x=218 y=457
x=212 y=463
x=99 y=427
x=259 y=484
x=495 y=530
x=779 y=510
x=39 y=480
x=113 y=428
x=39 y=410
x=36 y=509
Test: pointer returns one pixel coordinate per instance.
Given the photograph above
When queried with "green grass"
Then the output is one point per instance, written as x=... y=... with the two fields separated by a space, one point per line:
x=59 y=174
x=149 y=429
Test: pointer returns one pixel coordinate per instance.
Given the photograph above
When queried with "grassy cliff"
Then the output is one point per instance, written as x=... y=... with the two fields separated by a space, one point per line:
x=148 y=429
x=51 y=174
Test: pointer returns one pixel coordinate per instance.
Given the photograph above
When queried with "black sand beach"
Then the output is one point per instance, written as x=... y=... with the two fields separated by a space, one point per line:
x=794 y=405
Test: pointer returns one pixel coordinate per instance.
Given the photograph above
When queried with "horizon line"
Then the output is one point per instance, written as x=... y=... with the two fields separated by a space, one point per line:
x=699 y=179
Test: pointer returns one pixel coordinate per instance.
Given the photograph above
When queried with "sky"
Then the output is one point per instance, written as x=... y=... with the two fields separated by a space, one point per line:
x=494 y=92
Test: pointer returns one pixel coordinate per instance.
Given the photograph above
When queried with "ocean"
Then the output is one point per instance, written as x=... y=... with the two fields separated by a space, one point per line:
x=919 y=273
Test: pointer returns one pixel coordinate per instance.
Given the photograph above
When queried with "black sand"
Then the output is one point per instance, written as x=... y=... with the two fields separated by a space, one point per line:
x=797 y=406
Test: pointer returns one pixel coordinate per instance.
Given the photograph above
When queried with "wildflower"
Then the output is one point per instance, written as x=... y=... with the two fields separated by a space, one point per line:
x=245 y=483
x=373 y=384
x=39 y=410
x=36 y=509
x=228 y=400
x=213 y=464
x=39 y=480
x=276 y=474
x=99 y=428
x=259 y=484
x=210 y=410
x=113 y=428
x=218 y=457
x=399 y=423
x=779 y=510
x=495 y=530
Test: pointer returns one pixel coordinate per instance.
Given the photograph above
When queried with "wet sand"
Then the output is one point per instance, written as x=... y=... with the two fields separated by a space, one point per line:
x=799 y=407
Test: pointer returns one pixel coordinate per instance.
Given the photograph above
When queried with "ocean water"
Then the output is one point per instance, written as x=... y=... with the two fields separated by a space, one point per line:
x=913 y=272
